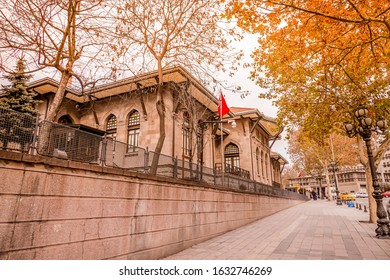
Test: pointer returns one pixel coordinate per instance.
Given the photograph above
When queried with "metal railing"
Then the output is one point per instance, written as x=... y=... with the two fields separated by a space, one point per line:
x=26 y=134
x=233 y=170
x=65 y=142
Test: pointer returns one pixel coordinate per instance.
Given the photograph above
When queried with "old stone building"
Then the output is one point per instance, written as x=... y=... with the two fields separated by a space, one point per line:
x=125 y=112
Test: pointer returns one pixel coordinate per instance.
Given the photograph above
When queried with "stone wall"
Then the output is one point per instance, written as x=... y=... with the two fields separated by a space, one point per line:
x=58 y=209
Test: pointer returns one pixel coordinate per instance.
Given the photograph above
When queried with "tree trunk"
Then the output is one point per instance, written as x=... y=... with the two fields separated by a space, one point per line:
x=371 y=199
x=55 y=105
x=328 y=183
x=364 y=161
x=160 y=106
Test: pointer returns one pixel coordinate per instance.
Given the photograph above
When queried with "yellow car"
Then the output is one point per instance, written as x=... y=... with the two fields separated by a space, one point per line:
x=347 y=196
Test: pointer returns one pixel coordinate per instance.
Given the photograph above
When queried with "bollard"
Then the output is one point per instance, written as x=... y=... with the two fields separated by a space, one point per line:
x=357 y=205
x=360 y=207
x=365 y=208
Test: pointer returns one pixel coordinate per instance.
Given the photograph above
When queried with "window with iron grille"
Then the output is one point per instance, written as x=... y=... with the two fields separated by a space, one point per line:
x=111 y=127
x=232 y=156
x=133 y=131
x=199 y=141
x=186 y=135
x=262 y=163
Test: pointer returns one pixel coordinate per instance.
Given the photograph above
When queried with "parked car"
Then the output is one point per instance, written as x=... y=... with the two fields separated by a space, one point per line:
x=361 y=195
x=386 y=194
x=347 y=196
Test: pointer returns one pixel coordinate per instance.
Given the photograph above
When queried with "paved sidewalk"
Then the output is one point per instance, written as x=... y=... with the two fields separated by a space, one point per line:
x=315 y=230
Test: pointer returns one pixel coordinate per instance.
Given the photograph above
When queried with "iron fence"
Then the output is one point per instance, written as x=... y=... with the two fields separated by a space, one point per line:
x=62 y=141
x=228 y=168
x=27 y=134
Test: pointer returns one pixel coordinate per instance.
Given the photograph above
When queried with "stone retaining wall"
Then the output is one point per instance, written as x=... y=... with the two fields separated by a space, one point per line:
x=58 y=209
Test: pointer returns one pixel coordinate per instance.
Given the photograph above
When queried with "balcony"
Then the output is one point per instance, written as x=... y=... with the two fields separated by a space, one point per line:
x=233 y=170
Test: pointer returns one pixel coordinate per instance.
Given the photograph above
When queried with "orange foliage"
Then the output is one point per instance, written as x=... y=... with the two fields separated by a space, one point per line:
x=319 y=59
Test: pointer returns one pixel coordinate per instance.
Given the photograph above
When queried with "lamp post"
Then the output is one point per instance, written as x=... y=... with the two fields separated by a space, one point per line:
x=334 y=168
x=365 y=128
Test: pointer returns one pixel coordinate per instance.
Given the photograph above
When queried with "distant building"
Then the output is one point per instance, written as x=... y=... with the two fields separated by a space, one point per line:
x=384 y=165
x=349 y=179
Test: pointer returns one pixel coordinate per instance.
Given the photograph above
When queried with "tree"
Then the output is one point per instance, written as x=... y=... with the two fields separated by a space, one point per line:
x=310 y=153
x=17 y=127
x=64 y=36
x=327 y=31
x=313 y=156
x=289 y=172
x=162 y=33
x=16 y=96
x=319 y=60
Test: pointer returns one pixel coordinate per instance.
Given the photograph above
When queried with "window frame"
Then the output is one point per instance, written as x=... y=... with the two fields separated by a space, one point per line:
x=133 y=131
x=232 y=157
x=112 y=126
x=186 y=132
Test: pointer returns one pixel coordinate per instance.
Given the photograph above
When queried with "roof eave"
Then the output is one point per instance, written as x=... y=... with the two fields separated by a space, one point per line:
x=200 y=93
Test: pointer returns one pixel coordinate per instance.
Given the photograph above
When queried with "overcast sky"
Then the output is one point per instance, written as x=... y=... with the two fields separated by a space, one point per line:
x=252 y=100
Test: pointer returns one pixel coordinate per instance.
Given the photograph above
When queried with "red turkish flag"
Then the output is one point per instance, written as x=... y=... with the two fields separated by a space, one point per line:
x=223 y=109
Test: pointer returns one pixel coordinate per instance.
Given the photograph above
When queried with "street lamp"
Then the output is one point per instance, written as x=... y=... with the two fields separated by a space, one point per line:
x=334 y=168
x=364 y=129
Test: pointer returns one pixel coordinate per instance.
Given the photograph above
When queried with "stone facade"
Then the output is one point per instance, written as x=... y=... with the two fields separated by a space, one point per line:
x=184 y=98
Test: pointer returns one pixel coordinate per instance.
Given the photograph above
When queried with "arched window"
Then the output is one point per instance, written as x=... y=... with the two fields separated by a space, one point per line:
x=133 y=131
x=66 y=119
x=266 y=166
x=258 y=161
x=111 y=127
x=186 y=135
x=232 y=156
x=262 y=163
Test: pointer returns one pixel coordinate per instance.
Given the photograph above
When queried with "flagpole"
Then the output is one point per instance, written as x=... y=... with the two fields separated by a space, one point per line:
x=222 y=109
x=222 y=151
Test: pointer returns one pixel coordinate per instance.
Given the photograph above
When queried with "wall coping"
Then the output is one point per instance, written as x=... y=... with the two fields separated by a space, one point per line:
x=63 y=163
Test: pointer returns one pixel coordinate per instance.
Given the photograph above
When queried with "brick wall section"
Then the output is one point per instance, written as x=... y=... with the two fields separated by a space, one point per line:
x=58 y=209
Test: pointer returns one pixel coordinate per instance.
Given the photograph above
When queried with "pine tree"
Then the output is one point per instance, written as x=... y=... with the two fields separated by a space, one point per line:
x=16 y=96
x=17 y=110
